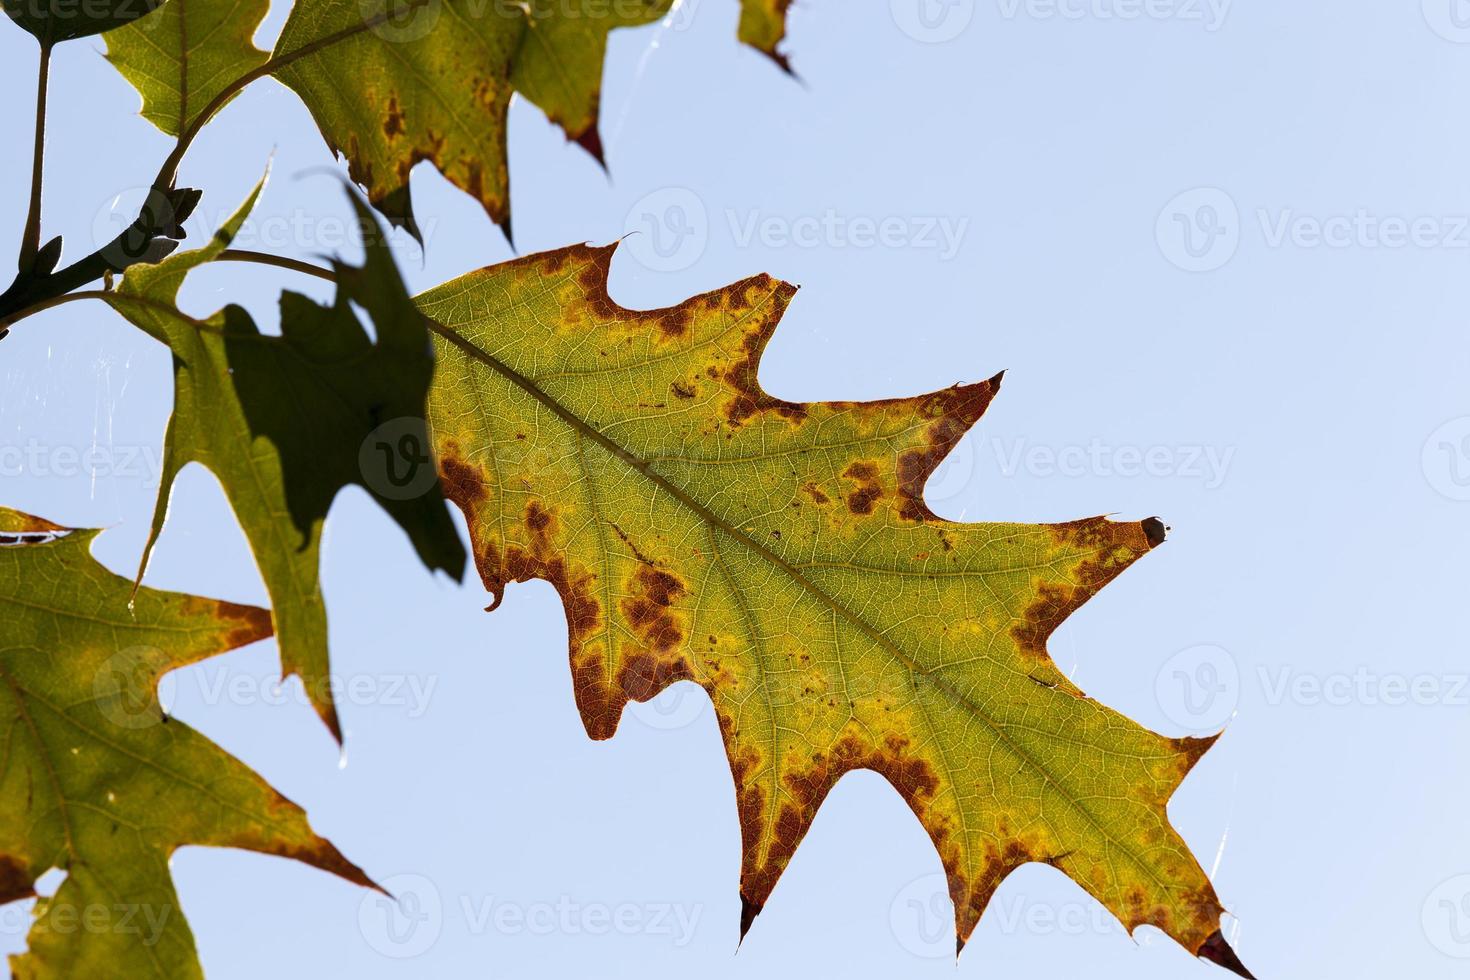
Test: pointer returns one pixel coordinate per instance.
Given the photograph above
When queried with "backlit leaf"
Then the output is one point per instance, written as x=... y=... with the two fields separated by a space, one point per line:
x=391 y=83
x=285 y=422
x=780 y=555
x=185 y=55
x=95 y=780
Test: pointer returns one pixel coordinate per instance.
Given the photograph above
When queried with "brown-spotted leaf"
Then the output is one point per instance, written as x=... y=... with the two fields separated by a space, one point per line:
x=95 y=780
x=432 y=80
x=186 y=54
x=780 y=555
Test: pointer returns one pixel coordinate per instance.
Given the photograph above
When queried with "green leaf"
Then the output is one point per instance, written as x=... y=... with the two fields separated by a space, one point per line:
x=780 y=555
x=429 y=79
x=95 y=780
x=186 y=54
x=559 y=64
x=54 y=21
x=285 y=422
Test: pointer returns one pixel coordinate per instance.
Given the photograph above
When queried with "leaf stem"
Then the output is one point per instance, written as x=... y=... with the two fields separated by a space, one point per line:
x=279 y=261
x=30 y=293
x=30 y=240
x=51 y=303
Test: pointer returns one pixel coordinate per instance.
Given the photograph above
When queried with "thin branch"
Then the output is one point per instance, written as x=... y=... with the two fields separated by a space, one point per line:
x=27 y=291
x=279 y=261
x=52 y=303
x=30 y=239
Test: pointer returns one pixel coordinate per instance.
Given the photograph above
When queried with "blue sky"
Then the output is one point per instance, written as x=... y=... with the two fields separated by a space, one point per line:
x=1221 y=249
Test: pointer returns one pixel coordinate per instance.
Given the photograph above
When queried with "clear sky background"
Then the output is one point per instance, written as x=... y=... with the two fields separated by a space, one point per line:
x=1223 y=253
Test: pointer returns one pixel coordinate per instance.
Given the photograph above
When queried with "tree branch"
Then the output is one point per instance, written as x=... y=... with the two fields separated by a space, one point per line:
x=167 y=208
x=30 y=239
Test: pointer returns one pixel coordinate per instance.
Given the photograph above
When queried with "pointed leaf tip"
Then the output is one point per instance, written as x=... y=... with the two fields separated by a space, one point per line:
x=591 y=141
x=1216 y=950
x=748 y=911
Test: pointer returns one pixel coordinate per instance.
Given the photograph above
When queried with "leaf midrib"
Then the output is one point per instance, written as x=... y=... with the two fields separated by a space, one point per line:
x=580 y=426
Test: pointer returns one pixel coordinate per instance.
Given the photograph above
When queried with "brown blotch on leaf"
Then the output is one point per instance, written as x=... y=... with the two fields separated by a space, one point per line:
x=669 y=323
x=649 y=608
x=865 y=496
x=313 y=851
x=748 y=398
x=393 y=121
x=1114 y=547
x=643 y=676
x=971 y=897
x=682 y=390
x=1190 y=751
x=911 y=775
x=532 y=554
x=16 y=881
x=954 y=411
x=463 y=483
x=247 y=623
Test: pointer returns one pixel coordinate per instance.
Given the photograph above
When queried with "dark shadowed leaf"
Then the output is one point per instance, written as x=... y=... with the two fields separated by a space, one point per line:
x=286 y=422
x=54 y=21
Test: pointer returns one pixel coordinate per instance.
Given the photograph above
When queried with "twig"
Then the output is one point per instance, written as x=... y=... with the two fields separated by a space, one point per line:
x=30 y=239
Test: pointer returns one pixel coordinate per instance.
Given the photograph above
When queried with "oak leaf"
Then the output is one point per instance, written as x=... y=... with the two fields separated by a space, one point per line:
x=95 y=780
x=186 y=54
x=391 y=83
x=780 y=555
x=286 y=422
